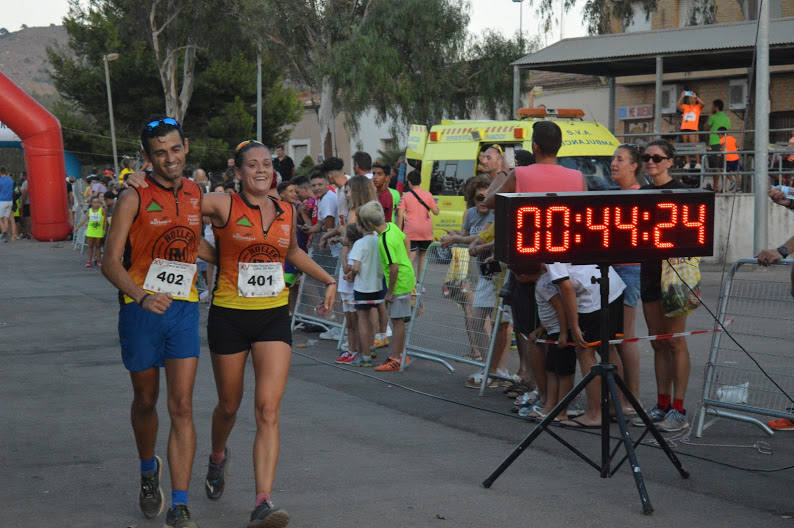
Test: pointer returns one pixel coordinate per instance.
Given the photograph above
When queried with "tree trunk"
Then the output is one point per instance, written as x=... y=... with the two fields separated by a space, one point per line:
x=327 y=118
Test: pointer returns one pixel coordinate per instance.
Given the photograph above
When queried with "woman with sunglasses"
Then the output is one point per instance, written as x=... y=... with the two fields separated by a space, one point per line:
x=626 y=172
x=254 y=234
x=671 y=356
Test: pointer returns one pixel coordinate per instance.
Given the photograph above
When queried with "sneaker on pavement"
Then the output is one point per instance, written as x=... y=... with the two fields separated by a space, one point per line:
x=474 y=381
x=380 y=343
x=344 y=358
x=268 y=516
x=390 y=365
x=151 y=499
x=361 y=360
x=332 y=335
x=781 y=424
x=656 y=415
x=674 y=421
x=179 y=517
x=216 y=477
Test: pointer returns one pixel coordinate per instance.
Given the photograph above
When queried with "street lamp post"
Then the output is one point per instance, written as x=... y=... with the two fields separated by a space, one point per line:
x=520 y=17
x=109 y=58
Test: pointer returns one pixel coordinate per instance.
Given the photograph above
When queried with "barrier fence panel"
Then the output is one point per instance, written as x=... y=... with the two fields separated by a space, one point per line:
x=760 y=302
x=311 y=293
x=78 y=240
x=454 y=309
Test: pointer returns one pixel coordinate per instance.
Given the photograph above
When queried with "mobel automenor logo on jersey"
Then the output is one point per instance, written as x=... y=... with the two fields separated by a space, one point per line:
x=178 y=243
x=260 y=253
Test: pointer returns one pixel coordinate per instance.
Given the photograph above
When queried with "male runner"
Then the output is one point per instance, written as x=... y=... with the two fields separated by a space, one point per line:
x=157 y=231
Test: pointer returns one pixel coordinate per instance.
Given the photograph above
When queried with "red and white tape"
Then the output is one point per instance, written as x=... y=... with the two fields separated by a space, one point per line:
x=658 y=337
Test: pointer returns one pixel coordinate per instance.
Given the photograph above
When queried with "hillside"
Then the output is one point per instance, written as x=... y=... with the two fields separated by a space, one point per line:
x=23 y=57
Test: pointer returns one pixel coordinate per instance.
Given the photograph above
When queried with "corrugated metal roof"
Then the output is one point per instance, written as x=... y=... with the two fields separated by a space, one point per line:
x=716 y=40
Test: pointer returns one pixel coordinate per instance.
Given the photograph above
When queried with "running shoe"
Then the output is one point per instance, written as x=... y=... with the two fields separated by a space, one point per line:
x=151 y=499
x=361 y=360
x=392 y=364
x=656 y=415
x=380 y=343
x=474 y=381
x=332 y=335
x=781 y=424
x=266 y=515
x=344 y=358
x=88 y=264
x=179 y=517
x=216 y=477
x=673 y=422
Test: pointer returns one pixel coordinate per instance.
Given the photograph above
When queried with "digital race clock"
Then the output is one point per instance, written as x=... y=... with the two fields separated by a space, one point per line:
x=601 y=227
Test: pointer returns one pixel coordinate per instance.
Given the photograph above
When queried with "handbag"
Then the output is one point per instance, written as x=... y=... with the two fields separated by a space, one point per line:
x=680 y=285
x=456 y=283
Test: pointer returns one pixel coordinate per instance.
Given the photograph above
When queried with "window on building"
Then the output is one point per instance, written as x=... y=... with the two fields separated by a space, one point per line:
x=299 y=151
x=640 y=20
x=781 y=126
x=737 y=94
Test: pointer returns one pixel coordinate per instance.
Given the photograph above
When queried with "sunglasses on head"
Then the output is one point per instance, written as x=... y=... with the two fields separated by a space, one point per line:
x=497 y=147
x=479 y=198
x=630 y=146
x=152 y=125
x=656 y=158
x=247 y=142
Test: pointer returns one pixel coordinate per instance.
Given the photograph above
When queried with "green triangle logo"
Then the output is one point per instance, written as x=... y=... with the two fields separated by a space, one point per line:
x=153 y=207
x=244 y=221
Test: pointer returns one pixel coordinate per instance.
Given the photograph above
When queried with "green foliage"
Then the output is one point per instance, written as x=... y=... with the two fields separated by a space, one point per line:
x=306 y=165
x=222 y=111
x=597 y=14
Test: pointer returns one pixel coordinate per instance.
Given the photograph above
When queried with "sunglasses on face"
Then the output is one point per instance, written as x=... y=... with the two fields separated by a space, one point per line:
x=152 y=125
x=656 y=158
x=247 y=142
x=479 y=198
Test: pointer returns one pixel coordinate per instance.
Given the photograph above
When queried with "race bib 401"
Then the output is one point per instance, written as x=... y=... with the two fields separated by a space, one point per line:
x=167 y=276
x=259 y=279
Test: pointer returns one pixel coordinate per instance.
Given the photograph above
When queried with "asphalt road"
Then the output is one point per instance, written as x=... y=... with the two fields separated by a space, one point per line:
x=358 y=448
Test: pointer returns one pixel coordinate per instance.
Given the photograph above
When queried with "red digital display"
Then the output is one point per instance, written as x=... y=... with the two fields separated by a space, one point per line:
x=601 y=227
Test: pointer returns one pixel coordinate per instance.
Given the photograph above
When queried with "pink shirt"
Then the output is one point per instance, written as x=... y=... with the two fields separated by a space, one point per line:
x=543 y=177
x=418 y=224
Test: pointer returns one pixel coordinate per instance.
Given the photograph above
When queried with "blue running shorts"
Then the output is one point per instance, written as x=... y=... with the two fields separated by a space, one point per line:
x=148 y=339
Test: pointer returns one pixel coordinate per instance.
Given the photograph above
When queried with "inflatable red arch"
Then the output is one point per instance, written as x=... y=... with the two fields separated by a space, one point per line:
x=40 y=133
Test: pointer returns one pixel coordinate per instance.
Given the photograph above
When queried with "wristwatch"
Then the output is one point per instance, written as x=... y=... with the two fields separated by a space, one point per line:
x=783 y=250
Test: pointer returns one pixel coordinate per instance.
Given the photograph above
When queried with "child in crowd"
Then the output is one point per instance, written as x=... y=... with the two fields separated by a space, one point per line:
x=393 y=249
x=308 y=205
x=560 y=363
x=346 y=289
x=581 y=299
x=95 y=231
x=728 y=143
x=287 y=192
x=368 y=289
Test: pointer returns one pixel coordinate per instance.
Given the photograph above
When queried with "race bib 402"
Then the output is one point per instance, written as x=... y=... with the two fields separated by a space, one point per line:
x=167 y=276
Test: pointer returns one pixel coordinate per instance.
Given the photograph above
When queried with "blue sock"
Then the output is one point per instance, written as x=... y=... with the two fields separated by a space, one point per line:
x=178 y=497
x=148 y=466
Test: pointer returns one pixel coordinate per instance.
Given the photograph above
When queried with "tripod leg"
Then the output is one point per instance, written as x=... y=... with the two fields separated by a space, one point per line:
x=647 y=508
x=605 y=459
x=652 y=427
x=537 y=430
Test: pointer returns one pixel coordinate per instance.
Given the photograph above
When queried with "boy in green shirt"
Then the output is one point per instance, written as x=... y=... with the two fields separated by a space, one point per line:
x=399 y=274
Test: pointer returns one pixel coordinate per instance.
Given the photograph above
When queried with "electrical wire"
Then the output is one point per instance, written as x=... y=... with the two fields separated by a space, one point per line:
x=512 y=416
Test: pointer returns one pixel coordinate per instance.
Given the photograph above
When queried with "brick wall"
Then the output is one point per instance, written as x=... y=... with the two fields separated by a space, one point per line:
x=781 y=88
x=728 y=11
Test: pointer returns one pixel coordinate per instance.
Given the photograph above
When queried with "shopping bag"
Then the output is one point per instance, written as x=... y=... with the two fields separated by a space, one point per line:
x=680 y=285
x=456 y=282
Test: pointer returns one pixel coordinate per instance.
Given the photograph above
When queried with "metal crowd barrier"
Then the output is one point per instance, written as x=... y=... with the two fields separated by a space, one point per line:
x=451 y=321
x=78 y=240
x=311 y=293
x=760 y=302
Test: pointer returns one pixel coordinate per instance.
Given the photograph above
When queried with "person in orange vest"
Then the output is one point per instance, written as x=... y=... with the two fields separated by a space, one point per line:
x=728 y=144
x=690 y=105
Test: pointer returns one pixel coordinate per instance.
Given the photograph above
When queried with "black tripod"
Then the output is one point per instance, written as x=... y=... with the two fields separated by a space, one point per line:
x=610 y=382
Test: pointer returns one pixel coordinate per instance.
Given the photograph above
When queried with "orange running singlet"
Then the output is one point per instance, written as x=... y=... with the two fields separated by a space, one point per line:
x=167 y=226
x=691 y=117
x=244 y=240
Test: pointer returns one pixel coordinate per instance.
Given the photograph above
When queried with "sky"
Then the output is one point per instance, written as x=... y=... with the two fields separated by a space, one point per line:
x=501 y=15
